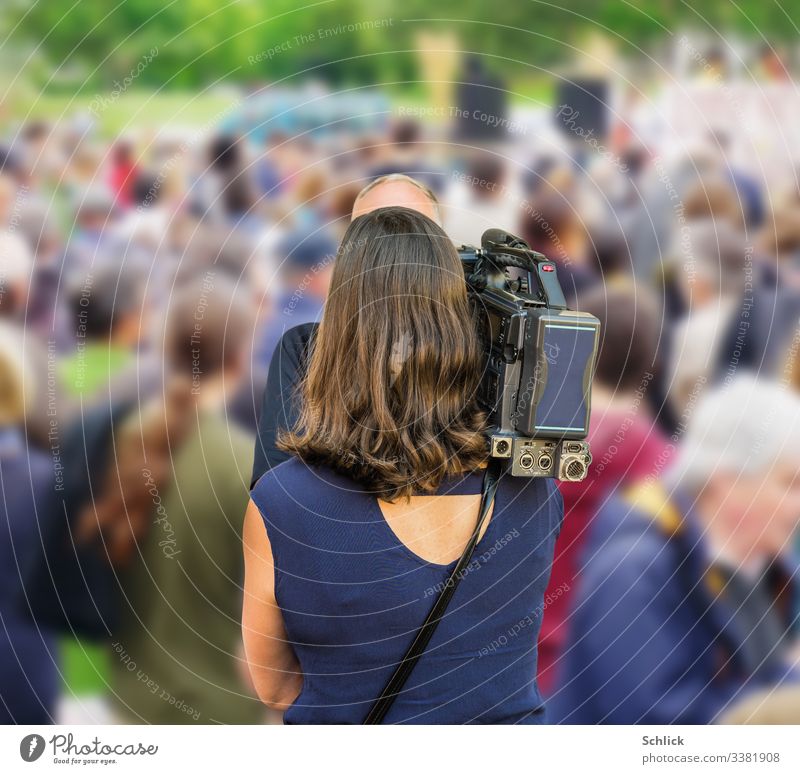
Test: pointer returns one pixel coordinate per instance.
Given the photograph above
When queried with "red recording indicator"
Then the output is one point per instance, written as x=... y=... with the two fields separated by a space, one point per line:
x=548 y=267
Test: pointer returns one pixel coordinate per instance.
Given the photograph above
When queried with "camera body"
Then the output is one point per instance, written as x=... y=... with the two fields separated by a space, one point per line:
x=539 y=359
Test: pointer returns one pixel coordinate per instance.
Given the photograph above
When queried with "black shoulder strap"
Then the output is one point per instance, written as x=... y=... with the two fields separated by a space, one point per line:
x=381 y=706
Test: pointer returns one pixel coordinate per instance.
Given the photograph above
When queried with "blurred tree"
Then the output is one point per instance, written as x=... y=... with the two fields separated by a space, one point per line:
x=200 y=42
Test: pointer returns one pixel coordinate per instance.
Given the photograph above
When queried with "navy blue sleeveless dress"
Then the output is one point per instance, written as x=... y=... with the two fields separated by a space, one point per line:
x=353 y=596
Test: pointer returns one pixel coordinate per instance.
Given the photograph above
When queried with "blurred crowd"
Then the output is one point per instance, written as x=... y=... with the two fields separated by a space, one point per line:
x=146 y=282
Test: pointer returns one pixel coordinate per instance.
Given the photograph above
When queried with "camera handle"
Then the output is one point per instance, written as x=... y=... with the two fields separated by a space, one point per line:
x=512 y=251
x=403 y=671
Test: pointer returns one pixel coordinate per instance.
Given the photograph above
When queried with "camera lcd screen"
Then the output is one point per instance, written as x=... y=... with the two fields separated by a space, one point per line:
x=567 y=352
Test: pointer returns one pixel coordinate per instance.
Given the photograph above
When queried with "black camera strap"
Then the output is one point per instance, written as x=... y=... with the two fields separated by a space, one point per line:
x=401 y=674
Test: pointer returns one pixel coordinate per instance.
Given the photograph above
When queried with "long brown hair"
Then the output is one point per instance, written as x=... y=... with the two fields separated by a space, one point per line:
x=389 y=396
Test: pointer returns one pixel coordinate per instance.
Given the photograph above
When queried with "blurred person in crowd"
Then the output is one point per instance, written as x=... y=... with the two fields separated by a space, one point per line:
x=182 y=229
x=610 y=253
x=15 y=251
x=687 y=597
x=172 y=163
x=536 y=175
x=652 y=224
x=287 y=367
x=28 y=664
x=122 y=173
x=9 y=162
x=343 y=198
x=303 y=279
x=41 y=158
x=408 y=157
x=365 y=152
x=267 y=172
x=16 y=272
x=612 y=184
x=481 y=198
x=305 y=212
x=140 y=233
x=105 y=320
x=224 y=192
x=709 y=195
x=39 y=228
x=626 y=446
x=195 y=246
x=778 y=244
x=634 y=160
x=360 y=514
x=98 y=373
x=710 y=274
x=169 y=517
x=714 y=198
x=311 y=200
x=216 y=252
x=84 y=168
x=748 y=188
x=292 y=155
x=145 y=224
x=713 y=67
x=92 y=242
x=776 y=317
x=770 y=67
x=551 y=225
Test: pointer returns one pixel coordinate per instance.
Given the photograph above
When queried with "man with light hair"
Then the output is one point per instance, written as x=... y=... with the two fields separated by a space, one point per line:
x=687 y=598
x=398 y=190
x=279 y=409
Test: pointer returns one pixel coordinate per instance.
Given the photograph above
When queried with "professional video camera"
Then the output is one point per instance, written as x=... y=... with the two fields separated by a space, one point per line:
x=536 y=384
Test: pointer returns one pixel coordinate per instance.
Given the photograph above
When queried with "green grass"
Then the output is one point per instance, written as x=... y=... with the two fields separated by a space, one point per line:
x=85 y=667
x=132 y=110
x=142 y=110
x=533 y=92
